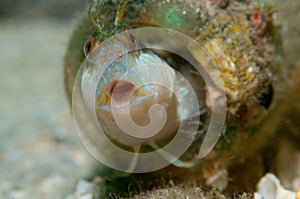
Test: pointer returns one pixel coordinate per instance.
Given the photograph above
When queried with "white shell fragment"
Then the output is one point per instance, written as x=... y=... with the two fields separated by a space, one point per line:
x=269 y=187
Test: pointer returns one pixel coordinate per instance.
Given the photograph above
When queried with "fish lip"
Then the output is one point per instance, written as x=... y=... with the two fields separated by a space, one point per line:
x=121 y=92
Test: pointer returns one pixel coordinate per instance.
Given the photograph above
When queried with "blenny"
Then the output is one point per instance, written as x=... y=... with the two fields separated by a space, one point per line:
x=239 y=37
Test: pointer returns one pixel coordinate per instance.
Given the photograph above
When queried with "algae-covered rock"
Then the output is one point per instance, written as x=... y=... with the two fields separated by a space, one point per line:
x=243 y=42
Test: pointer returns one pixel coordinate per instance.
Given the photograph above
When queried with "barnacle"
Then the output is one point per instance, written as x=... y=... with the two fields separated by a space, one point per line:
x=248 y=63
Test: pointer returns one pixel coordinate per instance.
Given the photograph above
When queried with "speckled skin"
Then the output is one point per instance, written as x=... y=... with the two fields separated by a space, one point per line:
x=257 y=71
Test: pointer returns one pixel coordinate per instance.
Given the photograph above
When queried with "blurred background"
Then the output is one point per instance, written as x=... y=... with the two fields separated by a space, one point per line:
x=54 y=9
x=40 y=154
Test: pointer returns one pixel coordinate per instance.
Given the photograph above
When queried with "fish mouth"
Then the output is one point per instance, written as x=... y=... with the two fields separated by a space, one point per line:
x=121 y=92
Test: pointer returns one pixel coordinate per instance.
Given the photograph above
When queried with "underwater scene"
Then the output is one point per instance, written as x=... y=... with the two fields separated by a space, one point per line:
x=150 y=99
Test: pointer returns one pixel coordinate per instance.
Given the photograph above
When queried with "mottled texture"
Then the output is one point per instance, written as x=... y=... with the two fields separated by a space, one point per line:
x=41 y=157
x=248 y=56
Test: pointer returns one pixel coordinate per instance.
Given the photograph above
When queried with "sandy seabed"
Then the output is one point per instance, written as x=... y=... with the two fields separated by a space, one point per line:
x=40 y=154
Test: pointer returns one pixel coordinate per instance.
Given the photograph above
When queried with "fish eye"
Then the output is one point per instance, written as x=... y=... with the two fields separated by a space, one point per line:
x=87 y=47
